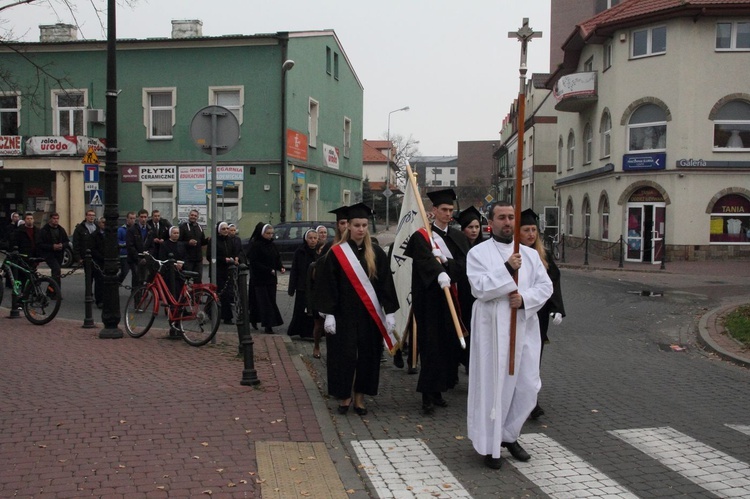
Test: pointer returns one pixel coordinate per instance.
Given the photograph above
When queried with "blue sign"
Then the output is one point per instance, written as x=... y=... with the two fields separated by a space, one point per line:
x=91 y=174
x=97 y=198
x=637 y=162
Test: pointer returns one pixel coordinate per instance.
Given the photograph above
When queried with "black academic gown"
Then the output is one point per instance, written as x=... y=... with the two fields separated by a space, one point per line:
x=302 y=319
x=354 y=351
x=439 y=348
x=555 y=303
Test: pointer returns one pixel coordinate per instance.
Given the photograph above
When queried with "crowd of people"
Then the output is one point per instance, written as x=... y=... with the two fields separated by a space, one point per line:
x=344 y=291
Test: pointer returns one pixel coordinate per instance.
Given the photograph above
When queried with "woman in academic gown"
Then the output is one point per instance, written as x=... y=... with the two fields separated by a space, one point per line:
x=356 y=271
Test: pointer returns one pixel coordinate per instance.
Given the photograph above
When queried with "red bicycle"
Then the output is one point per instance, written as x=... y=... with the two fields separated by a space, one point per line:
x=194 y=313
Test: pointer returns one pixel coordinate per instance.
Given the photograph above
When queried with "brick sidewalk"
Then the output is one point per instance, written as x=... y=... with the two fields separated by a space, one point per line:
x=148 y=417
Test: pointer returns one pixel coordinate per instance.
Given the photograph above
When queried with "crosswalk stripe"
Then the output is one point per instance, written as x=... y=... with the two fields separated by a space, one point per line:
x=740 y=427
x=560 y=473
x=705 y=466
x=406 y=467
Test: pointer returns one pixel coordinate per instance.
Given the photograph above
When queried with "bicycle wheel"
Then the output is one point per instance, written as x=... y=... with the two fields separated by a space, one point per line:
x=139 y=311
x=199 y=320
x=41 y=300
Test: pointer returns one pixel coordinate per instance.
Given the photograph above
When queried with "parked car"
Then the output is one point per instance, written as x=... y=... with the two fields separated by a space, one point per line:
x=289 y=236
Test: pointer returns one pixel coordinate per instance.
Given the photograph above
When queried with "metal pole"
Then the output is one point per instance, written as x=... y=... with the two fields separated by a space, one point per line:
x=249 y=374
x=88 y=320
x=388 y=167
x=212 y=266
x=111 y=308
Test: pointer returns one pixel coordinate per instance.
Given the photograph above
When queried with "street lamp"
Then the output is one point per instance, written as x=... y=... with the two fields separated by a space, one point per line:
x=286 y=66
x=386 y=190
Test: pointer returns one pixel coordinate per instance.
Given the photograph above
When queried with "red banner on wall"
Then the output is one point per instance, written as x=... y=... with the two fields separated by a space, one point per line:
x=296 y=144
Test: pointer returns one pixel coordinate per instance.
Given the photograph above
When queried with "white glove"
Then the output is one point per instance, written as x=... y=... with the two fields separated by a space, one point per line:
x=390 y=323
x=330 y=324
x=439 y=255
x=556 y=318
x=443 y=280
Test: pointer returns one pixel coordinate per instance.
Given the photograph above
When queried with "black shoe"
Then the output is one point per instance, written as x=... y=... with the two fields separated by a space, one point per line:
x=412 y=370
x=398 y=359
x=362 y=411
x=269 y=330
x=343 y=409
x=493 y=462
x=516 y=451
x=439 y=401
x=538 y=411
x=428 y=409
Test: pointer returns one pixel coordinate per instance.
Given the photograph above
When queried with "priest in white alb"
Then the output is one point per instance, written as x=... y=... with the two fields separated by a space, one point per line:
x=499 y=403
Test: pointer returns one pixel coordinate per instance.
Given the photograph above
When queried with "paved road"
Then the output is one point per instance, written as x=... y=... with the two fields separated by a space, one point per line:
x=634 y=407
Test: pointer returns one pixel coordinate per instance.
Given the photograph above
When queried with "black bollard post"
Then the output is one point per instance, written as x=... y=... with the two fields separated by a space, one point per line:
x=663 y=252
x=14 y=293
x=562 y=248
x=586 y=252
x=622 y=253
x=88 y=321
x=249 y=374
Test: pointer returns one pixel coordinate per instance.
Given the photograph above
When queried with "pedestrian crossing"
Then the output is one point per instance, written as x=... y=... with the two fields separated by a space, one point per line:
x=408 y=468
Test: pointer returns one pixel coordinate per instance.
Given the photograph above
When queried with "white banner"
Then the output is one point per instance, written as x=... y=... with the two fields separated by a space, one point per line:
x=100 y=148
x=51 y=146
x=409 y=221
x=331 y=156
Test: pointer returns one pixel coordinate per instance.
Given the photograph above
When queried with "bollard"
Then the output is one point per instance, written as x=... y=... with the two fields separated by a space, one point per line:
x=88 y=321
x=249 y=374
x=663 y=252
x=586 y=252
x=622 y=253
x=562 y=248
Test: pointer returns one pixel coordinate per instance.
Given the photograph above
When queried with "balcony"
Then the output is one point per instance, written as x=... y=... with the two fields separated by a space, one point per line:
x=575 y=92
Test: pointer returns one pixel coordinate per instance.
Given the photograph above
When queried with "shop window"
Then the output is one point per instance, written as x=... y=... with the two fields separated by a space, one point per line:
x=650 y=41
x=159 y=116
x=232 y=98
x=732 y=126
x=647 y=129
x=730 y=220
x=69 y=112
x=733 y=35
x=10 y=112
x=605 y=129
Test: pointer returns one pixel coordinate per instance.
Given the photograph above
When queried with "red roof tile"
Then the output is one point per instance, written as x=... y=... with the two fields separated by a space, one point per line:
x=370 y=152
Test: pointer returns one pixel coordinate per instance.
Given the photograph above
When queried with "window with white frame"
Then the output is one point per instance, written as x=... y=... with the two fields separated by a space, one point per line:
x=158 y=109
x=588 y=66
x=604 y=220
x=228 y=204
x=733 y=35
x=161 y=197
x=605 y=129
x=732 y=126
x=649 y=41
x=647 y=129
x=607 y=55
x=571 y=150
x=232 y=98
x=312 y=123
x=347 y=136
x=560 y=155
x=588 y=144
x=10 y=114
x=346 y=197
x=69 y=108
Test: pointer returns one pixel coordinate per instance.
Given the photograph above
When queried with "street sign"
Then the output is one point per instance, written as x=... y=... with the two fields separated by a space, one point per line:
x=91 y=173
x=91 y=186
x=97 y=198
x=90 y=157
x=489 y=198
x=387 y=193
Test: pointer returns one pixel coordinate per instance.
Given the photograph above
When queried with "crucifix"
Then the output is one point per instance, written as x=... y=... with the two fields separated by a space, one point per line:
x=524 y=35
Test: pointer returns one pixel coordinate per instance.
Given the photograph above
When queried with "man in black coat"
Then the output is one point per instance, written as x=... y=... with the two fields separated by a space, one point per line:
x=159 y=231
x=51 y=242
x=137 y=239
x=436 y=264
x=192 y=235
x=24 y=238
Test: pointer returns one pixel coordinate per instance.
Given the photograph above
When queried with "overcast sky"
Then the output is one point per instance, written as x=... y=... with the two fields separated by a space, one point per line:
x=450 y=61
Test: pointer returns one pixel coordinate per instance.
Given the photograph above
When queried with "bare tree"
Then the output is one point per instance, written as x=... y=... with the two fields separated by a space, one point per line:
x=404 y=148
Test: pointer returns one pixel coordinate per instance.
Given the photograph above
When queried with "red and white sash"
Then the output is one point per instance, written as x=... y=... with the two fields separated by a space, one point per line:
x=437 y=242
x=364 y=289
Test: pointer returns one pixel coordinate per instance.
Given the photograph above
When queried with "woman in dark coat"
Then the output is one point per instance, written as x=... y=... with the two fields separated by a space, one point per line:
x=554 y=308
x=470 y=221
x=252 y=302
x=355 y=341
x=226 y=259
x=304 y=256
x=265 y=262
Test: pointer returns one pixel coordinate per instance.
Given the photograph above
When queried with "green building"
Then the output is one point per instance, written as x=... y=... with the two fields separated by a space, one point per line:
x=296 y=97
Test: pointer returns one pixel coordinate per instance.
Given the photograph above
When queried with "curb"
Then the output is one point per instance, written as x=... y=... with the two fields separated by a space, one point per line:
x=705 y=339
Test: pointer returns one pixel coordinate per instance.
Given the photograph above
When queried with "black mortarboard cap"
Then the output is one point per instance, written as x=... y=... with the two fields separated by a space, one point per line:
x=340 y=212
x=528 y=217
x=446 y=196
x=467 y=215
x=359 y=210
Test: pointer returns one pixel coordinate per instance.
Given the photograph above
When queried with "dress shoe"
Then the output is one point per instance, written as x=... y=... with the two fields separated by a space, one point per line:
x=537 y=412
x=362 y=411
x=343 y=409
x=439 y=401
x=493 y=462
x=516 y=451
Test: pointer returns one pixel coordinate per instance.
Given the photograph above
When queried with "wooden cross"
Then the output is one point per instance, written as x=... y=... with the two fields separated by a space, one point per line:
x=524 y=35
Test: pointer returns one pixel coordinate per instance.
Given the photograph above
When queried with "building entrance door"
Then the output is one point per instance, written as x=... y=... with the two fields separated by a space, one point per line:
x=645 y=235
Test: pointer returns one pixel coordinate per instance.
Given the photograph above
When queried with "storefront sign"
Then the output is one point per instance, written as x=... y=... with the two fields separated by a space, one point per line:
x=157 y=174
x=10 y=145
x=51 y=146
x=98 y=145
x=331 y=156
x=192 y=185
x=732 y=203
x=129 y=174
x=227 y=173
x=296 y=144
x=636 y=162
x=646 y=195
x=702 y=163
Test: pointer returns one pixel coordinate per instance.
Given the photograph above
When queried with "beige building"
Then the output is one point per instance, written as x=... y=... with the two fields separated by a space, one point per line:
x=653 y=137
